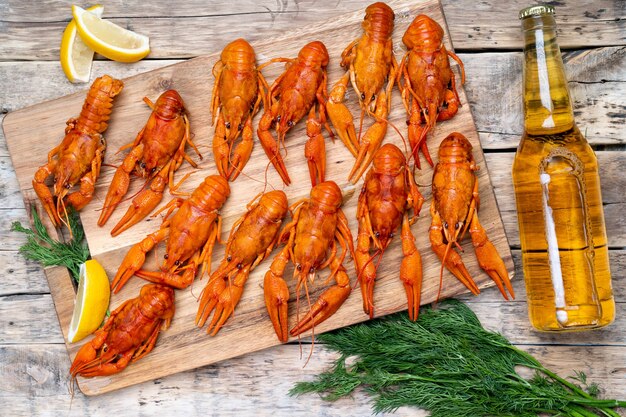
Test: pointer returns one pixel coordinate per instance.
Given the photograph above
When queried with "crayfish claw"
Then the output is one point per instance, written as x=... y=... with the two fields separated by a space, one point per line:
x=144 y=203
x=326 y=305
x=277 y=295
x=340 y=116
x=489 y=259
x=315 y=150
x=411 y=269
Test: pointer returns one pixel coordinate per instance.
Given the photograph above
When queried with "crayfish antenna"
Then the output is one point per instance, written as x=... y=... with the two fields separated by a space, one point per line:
x=65 y=218
x=363 y=111
x=308 y=300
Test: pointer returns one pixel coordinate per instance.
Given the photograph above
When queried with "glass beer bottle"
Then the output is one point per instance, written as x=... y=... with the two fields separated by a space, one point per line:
x=557 y=191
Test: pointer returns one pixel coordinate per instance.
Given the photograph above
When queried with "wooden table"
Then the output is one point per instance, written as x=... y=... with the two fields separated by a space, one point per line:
x=33 y=361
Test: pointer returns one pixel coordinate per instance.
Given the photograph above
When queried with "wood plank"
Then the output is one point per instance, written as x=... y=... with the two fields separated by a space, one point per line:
x=192 y=80
x=3 y=144
x=10 y=193
x=33 y=32
x=9 y=240
x=597 y=83
x=20 y=276
x=34 y=381
x=511 y=320
x=44 y=80
x=31 y=318
x=57 y=10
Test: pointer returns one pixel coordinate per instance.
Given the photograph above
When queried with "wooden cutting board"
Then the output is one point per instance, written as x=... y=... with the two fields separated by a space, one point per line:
x=32 y=132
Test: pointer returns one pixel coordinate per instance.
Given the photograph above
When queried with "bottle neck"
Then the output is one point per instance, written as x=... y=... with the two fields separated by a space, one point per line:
x=547 y=105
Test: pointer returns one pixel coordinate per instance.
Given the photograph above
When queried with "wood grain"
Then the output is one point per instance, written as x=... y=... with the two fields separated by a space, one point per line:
x=193 y=81
x=486 y=25
x=34 y=381
x=21 y=276
x=33 y=377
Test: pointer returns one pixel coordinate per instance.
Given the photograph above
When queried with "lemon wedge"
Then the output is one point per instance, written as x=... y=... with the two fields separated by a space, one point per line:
x=109 y=39
x=76 y=57
x=91 y=302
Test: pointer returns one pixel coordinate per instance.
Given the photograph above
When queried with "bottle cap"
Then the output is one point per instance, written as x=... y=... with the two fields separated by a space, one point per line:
x=536 y=10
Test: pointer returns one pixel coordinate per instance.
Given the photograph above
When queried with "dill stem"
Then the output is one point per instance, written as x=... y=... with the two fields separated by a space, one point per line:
x=534 y=364
x=581 y=411
x=421 y=378
x=573 y=413
x=609 y=412
x=594 y=402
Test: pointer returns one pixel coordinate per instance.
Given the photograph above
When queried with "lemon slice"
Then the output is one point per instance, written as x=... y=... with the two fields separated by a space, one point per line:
x=109 y=39
x=76 y=57
x=91 y=302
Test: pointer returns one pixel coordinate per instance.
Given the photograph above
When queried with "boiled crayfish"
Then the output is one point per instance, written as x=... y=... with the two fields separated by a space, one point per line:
x=157 y=152
x=426 y=81
x=370 y=62
x=129 y=334
x=388 y=192
x=80 y=154
x=454 y=210
x=191 y=234
x=237 y=93
x=318 y=225
x=291 y=96
x=251 y=240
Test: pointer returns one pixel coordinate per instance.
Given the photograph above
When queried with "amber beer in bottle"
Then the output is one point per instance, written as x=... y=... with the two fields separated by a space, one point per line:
x=557 y=191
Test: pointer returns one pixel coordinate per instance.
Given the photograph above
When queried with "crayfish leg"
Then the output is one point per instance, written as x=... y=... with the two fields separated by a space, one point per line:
x=79 y=199
x=147 y=346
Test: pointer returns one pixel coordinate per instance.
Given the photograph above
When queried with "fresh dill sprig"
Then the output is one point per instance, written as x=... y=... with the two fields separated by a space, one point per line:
x=448 y=364
x=44 y=249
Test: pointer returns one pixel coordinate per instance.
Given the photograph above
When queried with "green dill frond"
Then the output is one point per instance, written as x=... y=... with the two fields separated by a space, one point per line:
x=593 y=389
x=449 y=365
x=44 y=249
